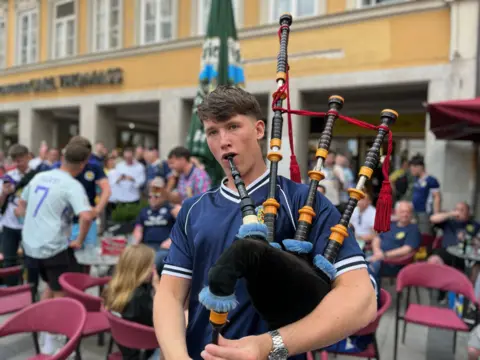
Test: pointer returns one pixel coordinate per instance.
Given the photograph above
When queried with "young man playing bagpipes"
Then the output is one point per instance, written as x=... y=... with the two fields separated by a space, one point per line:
x=207 y=224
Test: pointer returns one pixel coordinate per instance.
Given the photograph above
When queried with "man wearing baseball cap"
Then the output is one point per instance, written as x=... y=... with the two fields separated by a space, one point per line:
x=154 y=223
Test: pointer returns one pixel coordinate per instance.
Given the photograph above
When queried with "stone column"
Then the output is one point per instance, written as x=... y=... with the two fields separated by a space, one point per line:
x=88 y=120
x=98 y=124
x=34 y=127
x=171 y=125
x=106 y=127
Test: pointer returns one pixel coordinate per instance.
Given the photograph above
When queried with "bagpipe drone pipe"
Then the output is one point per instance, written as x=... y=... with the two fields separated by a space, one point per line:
x=286 y=281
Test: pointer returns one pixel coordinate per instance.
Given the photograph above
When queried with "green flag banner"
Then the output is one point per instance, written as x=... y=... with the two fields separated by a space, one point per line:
x=220 y=65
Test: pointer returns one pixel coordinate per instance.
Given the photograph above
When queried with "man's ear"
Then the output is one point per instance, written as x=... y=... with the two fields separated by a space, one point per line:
x=260 y=128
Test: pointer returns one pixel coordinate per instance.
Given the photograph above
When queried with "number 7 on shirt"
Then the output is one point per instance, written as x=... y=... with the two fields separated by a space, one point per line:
x=44 y=195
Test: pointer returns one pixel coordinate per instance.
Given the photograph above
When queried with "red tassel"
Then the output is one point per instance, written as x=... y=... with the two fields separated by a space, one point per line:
x=384 y=208
x=384 y=203
x=294 y=170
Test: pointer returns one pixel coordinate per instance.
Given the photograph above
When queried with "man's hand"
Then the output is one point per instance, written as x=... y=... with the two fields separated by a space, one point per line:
x=75 y=244
x=377 y=256
x=166 y=244
x=8 y=188
x=95 y=212
x=247 y=348
x=454 y=214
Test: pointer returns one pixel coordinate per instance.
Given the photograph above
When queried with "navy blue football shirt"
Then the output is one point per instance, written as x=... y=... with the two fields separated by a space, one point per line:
x=399 y=236
x=452 y=227
x=422 y=197
x=207 y=224
x=95 y=159
x=156 y=223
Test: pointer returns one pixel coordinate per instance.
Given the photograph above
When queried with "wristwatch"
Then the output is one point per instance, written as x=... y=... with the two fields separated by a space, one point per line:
x=279 y=351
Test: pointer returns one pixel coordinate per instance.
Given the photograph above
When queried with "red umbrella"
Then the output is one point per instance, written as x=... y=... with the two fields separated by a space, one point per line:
x=456 y=119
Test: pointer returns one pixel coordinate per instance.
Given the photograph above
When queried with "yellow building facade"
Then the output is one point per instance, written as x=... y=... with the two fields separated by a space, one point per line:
x=127 y=70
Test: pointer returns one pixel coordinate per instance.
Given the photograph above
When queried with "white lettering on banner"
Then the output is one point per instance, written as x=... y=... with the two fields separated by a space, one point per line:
x=200 y=136
x=211 y=53
x=234 y=57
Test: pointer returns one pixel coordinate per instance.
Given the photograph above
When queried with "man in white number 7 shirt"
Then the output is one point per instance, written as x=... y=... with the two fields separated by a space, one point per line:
x=49 y=203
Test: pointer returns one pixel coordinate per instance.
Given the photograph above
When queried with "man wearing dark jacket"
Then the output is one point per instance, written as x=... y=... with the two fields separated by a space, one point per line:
x=11 y=186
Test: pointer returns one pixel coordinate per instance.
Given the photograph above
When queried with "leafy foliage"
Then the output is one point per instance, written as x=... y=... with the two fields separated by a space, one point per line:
x=125 y=213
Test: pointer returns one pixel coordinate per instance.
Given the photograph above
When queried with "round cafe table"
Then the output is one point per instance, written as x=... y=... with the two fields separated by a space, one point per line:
x=93 y=257
x=470 y=256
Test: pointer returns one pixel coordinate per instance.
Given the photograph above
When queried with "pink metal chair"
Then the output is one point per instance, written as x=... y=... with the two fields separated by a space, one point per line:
x=371 y=352
x=57 y=316
x=401 y=260
x=130 y=334
x=432 y=276
x=74 y=286
x=14 y=298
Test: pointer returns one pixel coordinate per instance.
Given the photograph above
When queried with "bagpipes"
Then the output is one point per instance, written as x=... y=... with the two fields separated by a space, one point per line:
x=285 y=281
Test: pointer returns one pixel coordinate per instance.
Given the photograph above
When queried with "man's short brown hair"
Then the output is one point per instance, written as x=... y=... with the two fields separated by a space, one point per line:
x=179 y=152
x=225 y=102
x=76 y=154
x=80 y=140
x=18 y=150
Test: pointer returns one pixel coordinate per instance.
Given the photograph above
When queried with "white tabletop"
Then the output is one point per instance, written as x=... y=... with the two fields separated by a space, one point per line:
x=94 y=257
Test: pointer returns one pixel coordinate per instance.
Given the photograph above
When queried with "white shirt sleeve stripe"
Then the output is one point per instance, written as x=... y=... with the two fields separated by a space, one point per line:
x=166 y=272
x=350 y=268
x=171 y=267
x=374 y=283
x=349 y=260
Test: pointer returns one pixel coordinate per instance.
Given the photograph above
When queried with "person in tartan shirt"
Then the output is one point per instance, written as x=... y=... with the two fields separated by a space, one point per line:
x=191 y=179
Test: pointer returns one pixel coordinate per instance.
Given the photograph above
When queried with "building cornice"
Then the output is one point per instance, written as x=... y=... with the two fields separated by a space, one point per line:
x=352 y=16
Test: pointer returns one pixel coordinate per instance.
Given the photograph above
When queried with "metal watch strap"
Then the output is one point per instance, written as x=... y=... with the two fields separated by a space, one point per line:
x=277 y=342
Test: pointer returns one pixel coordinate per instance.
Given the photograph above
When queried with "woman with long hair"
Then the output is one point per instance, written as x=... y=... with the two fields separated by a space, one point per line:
x=130 y=292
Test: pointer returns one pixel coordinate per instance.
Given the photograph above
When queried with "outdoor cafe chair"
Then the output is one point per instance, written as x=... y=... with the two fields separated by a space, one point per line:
x=14 y=298
x=437 y=277
x=130 y=335
x=74 y=286
x=371 y=352
x=57 y=316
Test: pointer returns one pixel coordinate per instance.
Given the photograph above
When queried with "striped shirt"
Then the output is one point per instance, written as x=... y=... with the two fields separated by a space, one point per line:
x=194 y=183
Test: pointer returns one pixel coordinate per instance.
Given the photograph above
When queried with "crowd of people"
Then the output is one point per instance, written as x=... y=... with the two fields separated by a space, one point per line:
x=180 y=231
x=86 y=184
